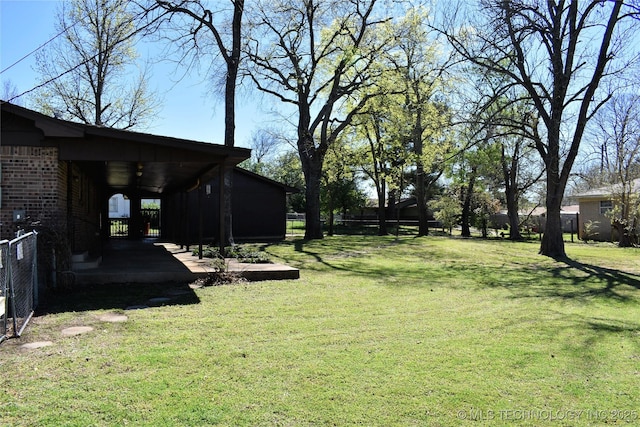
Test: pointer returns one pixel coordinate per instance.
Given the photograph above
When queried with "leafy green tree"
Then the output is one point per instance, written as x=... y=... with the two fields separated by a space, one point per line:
x=471 y=166
x=485 y=207
x=87 y=68
x=313 y=56
x=447 y=210
x=340 y=191
x=559 y=53
x=511 y=168
x=403 y=127
x=382 y=150
x=418 y=61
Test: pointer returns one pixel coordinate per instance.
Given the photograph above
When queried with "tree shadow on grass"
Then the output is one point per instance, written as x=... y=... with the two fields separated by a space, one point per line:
x=614 y=281
x=347 y=250
x=116 y=297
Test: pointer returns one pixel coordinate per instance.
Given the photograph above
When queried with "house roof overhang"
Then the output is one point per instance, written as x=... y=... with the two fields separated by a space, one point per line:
x=607 y=192
x=286 y=188
x=121 y=161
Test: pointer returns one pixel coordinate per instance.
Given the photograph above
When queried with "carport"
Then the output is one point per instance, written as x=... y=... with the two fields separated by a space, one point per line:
x=148 y=166
x=93 y=163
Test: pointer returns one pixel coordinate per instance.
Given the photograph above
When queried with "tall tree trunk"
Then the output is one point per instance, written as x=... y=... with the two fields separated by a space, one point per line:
x=229 y=141
x=331 y=216
x=624 y=239
x=423 y=221
x=513 y=214
x=552 y=244
x=233 y=62
x=313 y=226
x=421 y=204
x=382 y=213
x=466 y=205
x=312 y=169
x=510 y=176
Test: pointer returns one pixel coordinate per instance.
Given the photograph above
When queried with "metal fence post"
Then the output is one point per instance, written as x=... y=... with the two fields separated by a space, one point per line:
x=22 y=279
x=4 y=301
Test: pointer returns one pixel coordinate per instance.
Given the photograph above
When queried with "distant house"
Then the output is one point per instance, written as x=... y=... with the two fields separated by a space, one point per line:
x=119 y=206
x=594 y=206
x=404 y=211
x=535 y=220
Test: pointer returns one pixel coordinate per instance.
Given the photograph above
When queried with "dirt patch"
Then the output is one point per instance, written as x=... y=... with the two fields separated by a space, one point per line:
x=76 y=330
x=113 y=317
x=36 y=344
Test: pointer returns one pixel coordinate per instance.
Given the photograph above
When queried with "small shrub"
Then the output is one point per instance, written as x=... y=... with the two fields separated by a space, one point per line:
x=208 y=252
x=254 y=257
x=219 y=264
x=220 y=278
x=245 y=254
x=590 y=230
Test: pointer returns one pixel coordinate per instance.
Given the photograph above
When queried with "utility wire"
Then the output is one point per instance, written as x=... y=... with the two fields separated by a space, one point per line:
x=132 y=34
x=39 y=47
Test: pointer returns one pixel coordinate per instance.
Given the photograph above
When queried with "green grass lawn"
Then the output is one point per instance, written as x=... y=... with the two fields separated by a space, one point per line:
x=377 y=332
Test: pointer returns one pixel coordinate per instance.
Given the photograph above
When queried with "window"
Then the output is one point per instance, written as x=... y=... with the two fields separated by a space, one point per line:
x=605 y=206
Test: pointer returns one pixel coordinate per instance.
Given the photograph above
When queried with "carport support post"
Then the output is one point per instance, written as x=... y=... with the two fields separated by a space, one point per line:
x=135 y=220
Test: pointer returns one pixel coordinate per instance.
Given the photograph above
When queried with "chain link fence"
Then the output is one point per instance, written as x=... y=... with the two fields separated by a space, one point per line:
x=20 y=270
x=4 y=301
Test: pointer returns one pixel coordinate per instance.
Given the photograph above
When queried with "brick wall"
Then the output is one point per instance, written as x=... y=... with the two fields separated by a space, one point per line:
x=29 y=183
x=34 y=181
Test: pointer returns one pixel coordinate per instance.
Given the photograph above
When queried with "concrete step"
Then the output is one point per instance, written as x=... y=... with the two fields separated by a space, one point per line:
x=86 y=264
x=79 y=257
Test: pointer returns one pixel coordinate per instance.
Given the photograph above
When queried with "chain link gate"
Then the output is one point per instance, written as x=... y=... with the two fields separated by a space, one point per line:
x=22 y=279
x=4 y=277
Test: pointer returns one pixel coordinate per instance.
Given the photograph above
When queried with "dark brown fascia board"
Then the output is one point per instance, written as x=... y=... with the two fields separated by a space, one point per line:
x=169 y=142
x=51 y=127
x=57 y=128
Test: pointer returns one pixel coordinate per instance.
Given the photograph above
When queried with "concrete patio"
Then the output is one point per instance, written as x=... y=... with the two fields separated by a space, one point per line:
x=154 y=261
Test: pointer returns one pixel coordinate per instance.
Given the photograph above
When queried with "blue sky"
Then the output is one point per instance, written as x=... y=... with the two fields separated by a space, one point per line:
x=186 y=110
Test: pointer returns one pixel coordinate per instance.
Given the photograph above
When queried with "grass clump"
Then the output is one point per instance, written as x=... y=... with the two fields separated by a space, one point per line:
x=378 y=331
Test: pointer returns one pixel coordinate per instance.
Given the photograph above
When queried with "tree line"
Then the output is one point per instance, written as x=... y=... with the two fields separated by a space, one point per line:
x=496 y=97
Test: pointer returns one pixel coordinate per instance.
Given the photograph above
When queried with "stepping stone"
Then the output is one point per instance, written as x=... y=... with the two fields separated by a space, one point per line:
x=37 y=344
x=137 y=307
x=158 y=300
x=113 y=318
x=76 y=330
x=178 y=292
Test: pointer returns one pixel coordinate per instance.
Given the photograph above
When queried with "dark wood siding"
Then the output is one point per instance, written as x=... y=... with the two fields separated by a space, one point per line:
x=259 y=211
